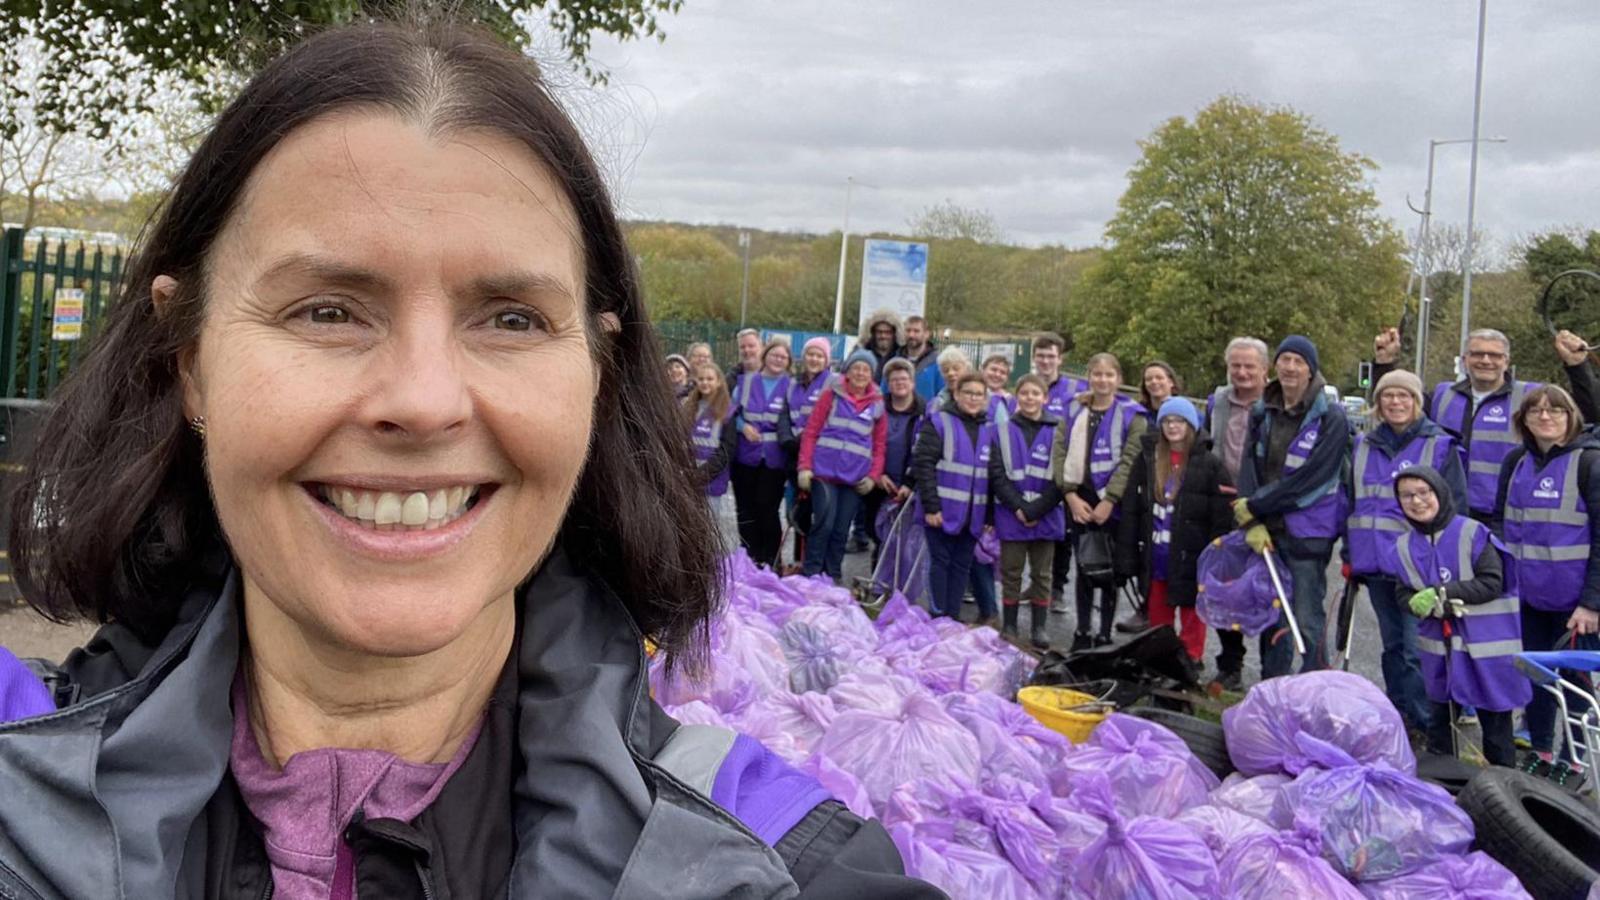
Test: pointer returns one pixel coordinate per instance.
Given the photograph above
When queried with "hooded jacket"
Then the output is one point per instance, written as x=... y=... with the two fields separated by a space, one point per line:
x=864 y=340
x=1488 y=571
x=1392 y=443
x=575 y=787
x=1588 y=485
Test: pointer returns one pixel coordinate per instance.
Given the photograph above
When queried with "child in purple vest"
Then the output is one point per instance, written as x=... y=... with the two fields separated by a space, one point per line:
x=1452 y=575
x=1028 y=516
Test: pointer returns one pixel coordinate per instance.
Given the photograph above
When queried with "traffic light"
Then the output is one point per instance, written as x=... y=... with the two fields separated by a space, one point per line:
x=1364 y=375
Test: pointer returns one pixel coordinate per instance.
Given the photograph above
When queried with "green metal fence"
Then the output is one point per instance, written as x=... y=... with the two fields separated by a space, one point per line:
x=53 y=292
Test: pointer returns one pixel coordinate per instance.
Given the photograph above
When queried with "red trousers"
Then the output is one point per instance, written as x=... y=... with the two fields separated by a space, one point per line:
x=1191 y=631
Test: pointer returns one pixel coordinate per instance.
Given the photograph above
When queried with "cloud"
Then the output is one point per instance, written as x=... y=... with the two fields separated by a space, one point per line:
x=754 y=113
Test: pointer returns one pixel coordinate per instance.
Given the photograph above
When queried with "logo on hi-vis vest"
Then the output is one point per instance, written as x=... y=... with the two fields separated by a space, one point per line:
x=1547 y=489
x=1444 y=575
x=983 y=454
x=1494 y=415
x=1404 y=464
x=1041 y=452
x=1308 y=440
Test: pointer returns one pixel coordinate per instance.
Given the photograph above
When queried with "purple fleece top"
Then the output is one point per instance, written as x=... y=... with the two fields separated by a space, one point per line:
x=22 y=694
x=305 y=808
x=765 y=793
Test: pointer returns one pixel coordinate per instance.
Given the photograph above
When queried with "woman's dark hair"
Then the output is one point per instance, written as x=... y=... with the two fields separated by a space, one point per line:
x=1172 y=375
x=112 y=518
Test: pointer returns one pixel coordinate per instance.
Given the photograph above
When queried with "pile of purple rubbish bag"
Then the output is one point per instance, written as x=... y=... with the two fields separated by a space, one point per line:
x=910 y=720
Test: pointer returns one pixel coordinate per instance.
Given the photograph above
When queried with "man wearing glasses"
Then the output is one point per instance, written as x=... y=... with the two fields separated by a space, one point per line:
x=1477 y=409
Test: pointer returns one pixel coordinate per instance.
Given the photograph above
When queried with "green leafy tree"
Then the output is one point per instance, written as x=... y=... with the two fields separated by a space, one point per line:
x=1247 y=219
x=105 y=56
x=1575 y=300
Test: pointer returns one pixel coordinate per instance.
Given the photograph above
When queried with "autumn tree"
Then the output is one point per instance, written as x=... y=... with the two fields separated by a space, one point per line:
x=1247 y=219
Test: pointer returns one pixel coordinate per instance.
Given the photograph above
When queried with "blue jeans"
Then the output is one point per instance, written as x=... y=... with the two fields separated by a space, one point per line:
x=1310 y=574
x=1402 y=674
x=833 y=508
x=981 y=581
x=949 y=566
x=1540 y=631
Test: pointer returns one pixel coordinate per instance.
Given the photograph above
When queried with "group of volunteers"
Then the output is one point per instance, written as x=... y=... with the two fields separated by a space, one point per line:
x=1463 y=511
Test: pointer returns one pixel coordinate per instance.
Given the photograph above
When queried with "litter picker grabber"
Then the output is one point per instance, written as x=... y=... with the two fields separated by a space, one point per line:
x=1284 y=601
x=1344 y=623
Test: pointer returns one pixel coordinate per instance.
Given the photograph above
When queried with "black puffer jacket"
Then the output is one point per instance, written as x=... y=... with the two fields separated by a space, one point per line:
x=1202 y=513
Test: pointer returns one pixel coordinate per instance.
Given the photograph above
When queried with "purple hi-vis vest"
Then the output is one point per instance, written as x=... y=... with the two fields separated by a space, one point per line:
x=1028 y=467
x=1059 y=396
x=844 y=448
x=1105 y=446
x=803 y=399
x=1475 y=665
x=1320 y=519
x=762 y=411
x=962 y=475
x=1376 y=518
x=1161 y=529
x=1489 y=437
x=1547 y=531
x=707 y=436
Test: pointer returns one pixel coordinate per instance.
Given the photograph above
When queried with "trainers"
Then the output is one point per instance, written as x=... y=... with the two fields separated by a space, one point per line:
x=1081 y=641
x=1133 y=624
x=1467 y=716
x=1521 y=740
x=1535 y=764
x=1102 y=640
x=1058 y=604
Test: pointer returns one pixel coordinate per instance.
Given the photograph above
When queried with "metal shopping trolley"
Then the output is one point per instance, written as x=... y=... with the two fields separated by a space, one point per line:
x=1577 y=704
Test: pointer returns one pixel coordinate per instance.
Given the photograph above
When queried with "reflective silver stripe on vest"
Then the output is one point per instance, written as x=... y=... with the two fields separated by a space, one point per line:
x=1358 y=476
x=1483 y=467
x=951 y=423
x=1378 y=523
x=1565 y=514
x=1487 y=650
x=1037 y=472
x=1403 y=548
x=694 y=755
x=845 y=446
x=1509 y=435
x=1012 y=472
x=1549 y=554
x=1493 y=608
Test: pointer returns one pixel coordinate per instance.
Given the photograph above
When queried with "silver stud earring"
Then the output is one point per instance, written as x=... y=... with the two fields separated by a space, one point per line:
x=198 y=426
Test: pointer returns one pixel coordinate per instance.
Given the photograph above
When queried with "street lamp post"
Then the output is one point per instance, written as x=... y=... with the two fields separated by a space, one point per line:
x=1425 y=260
x=744 y=291
x=1472 y=187
x=850 y=184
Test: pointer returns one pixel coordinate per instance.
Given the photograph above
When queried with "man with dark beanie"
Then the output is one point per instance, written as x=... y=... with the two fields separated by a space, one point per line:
x=1289 y=498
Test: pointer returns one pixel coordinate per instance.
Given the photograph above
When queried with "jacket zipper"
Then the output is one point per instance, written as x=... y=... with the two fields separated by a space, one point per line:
x=427 y=881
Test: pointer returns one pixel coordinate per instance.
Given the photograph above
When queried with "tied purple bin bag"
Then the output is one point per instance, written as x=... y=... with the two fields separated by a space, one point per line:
x=1235 y=590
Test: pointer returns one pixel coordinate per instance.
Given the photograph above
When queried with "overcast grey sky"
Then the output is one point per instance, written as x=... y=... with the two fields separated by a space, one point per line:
x=753 y=112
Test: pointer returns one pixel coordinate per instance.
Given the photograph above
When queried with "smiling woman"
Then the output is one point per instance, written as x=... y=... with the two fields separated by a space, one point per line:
x=378 y=484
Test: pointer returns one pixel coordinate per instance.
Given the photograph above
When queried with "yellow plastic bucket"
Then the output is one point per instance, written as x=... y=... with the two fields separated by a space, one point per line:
x=1052 y=706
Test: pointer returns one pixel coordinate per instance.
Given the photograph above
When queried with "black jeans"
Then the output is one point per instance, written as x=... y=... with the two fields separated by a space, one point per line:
x=1496 y=727
x=757 y=496
x=1061 y=564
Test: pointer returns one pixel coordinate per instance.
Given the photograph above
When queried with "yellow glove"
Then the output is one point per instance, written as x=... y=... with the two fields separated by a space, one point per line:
x=803 y=480
x=1258 y=538
x=1242 y=515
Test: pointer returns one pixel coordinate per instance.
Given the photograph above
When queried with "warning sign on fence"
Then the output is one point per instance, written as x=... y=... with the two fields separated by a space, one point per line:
x=67 y=323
